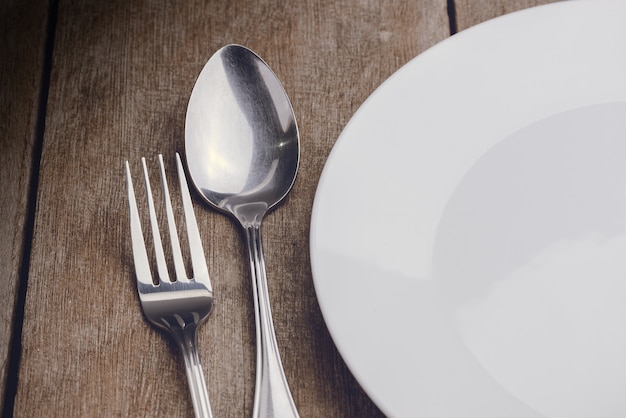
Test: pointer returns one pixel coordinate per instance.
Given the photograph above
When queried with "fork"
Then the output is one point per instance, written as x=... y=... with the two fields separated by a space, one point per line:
x=176 y=306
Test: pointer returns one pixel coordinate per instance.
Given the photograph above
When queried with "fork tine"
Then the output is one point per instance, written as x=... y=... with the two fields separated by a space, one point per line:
x=140 y=256
x=156 y=235
x=198 y=262
x=179 y=265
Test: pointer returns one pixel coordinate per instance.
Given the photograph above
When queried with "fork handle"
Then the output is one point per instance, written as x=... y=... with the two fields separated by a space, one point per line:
x=272 y=397
x=187 y=339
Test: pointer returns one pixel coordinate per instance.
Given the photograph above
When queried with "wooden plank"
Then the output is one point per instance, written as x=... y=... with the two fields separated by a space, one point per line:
x=22 y=43
x=473 y=12
x=122 y=74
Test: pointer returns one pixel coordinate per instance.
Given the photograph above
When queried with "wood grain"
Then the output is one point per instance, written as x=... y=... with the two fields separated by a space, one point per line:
x=22 y=43
x=473 y=12
x=122 y=72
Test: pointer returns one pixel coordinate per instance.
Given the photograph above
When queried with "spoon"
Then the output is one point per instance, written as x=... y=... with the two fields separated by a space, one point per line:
x=243 y=151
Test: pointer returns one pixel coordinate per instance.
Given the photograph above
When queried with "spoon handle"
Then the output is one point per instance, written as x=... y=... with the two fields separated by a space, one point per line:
x=272 y=397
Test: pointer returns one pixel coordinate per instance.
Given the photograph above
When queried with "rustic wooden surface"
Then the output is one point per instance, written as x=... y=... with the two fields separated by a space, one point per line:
x=23 y=27
x=121 y=74
x=471 y=12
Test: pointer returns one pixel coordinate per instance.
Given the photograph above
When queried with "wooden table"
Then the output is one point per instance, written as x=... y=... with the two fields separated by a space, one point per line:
x=85 y=85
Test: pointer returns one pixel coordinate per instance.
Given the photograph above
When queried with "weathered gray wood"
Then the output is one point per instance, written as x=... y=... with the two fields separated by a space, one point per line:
x=22 y=42
x=122 y=73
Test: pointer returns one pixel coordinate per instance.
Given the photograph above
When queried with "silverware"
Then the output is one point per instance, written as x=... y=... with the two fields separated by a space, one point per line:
x=243 y=150
x=179 y=306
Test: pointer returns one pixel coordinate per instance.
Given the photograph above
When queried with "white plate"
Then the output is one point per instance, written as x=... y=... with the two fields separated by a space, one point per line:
x=468 y=239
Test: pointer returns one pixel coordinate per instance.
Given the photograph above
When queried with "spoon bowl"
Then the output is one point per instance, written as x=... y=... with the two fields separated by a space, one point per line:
x=241 y=136
x=243 y=151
